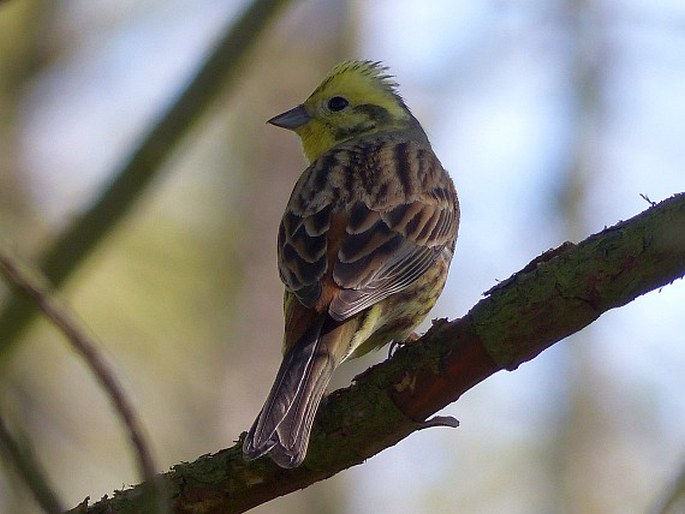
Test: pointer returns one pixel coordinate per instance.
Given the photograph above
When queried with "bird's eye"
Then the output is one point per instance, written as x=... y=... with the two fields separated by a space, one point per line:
x=337 y=103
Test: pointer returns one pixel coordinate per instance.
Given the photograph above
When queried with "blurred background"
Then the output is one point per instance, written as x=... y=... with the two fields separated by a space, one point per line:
x=553 y=117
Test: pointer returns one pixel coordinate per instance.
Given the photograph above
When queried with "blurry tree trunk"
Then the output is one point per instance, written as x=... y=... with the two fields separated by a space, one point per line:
x=20 y=60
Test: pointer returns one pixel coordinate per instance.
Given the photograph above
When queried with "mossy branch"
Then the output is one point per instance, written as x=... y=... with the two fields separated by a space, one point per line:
x=557 y=294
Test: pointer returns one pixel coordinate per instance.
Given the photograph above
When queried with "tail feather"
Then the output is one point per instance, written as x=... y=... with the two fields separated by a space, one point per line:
x=284 y=423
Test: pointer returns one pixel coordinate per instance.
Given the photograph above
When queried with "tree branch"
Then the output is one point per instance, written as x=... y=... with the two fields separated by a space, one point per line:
x=557 y=294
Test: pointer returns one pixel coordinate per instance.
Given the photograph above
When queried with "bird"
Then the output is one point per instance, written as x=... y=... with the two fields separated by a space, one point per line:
x=364 y=244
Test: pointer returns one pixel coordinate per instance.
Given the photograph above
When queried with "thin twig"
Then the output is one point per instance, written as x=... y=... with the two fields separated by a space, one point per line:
x=30 y=470
x=87 y=348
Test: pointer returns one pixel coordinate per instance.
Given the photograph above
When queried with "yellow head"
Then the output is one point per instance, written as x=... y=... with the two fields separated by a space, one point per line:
x=356 y=98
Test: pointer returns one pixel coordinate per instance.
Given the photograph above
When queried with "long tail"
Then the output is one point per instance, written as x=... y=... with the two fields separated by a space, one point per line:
x=285 y=421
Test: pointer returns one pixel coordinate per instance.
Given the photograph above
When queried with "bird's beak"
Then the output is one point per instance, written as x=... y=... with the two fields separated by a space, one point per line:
x=292 y=119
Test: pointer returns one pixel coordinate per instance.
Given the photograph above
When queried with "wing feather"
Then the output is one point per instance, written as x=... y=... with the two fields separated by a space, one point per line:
x=354 y=250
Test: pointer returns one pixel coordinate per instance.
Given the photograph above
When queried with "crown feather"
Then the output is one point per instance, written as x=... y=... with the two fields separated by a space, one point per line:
x=374 y=70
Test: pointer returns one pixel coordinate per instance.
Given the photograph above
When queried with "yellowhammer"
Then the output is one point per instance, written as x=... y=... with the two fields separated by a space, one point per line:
x=363 y=247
